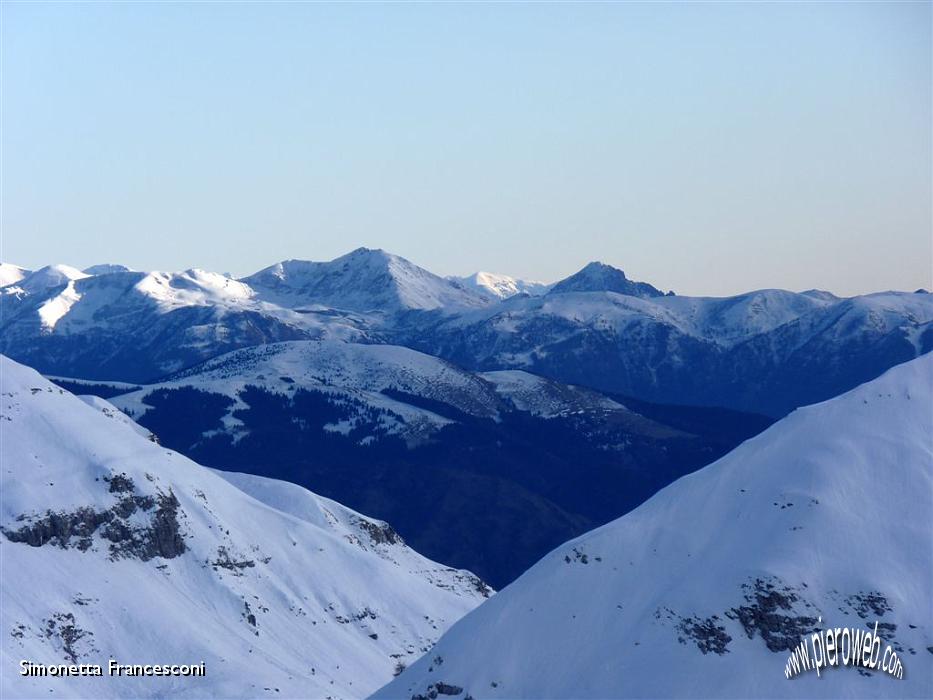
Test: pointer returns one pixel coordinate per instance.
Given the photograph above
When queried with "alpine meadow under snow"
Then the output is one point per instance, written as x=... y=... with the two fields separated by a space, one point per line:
x=704 y=590
x=115 y=547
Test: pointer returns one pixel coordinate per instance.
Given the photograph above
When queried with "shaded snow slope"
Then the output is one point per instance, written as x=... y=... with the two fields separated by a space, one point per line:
x=106 y=269
x=374 y=377
x=599 y=277
x=409 y=393
x=767 y=351
x=115 y=547
x=703 y=590
x=547 y=398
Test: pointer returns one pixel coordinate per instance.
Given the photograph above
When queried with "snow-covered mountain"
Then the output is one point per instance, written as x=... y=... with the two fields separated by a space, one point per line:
x=10 y=274
x=767 y=351
x=822 y=521
x=115 y=547
x=142 y=325
x=106 y=269
x=599 y=277
x=495 y=456
x=23 y=282
x=397 y=384
x=498 y=287
x=364 y=280
x=369 y=380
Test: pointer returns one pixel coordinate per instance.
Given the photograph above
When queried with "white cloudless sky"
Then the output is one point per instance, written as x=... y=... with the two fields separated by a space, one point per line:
x=706 y=148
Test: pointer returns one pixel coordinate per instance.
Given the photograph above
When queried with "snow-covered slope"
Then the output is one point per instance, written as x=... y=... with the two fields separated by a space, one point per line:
x=10 y=273
x=766 y=351
x=114 y=413
x=723 y=321
x=139 y=325
x=363 y=280
x=398 y=385
x=114 y=547
x=821 y=521
x=547 y=398
x=50 y=277
x=497 y=286
x=374 y=377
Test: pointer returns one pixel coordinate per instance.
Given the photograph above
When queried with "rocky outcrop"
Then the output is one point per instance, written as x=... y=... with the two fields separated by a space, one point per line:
x=160 y=537
x=769 y=612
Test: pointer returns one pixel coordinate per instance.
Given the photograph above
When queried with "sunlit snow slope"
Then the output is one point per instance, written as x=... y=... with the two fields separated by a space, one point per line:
x=704 y=589
x=114 y=547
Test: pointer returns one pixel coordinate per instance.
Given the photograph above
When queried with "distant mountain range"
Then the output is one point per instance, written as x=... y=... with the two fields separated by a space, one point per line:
x=487 y=418
x=767 y=351
x=821 y=522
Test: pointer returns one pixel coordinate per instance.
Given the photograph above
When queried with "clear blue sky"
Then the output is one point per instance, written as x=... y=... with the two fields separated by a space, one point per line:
x=708 y=148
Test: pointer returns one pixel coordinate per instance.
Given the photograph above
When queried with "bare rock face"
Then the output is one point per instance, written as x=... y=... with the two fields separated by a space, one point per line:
x=709 y=636
x=379 y=532
x=769 y=612
x=435 y=690
x=160 y=537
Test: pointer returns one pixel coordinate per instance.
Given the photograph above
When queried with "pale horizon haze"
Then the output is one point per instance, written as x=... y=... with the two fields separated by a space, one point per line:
x=708 y=148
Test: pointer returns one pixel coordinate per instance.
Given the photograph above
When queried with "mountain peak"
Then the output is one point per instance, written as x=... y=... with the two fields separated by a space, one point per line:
x=364 y=253
x=106 y=269
x=363 y=250
x=364 y=279
x=600 y=277
x=50 y=277
x=10 y=273
x=599 y=267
